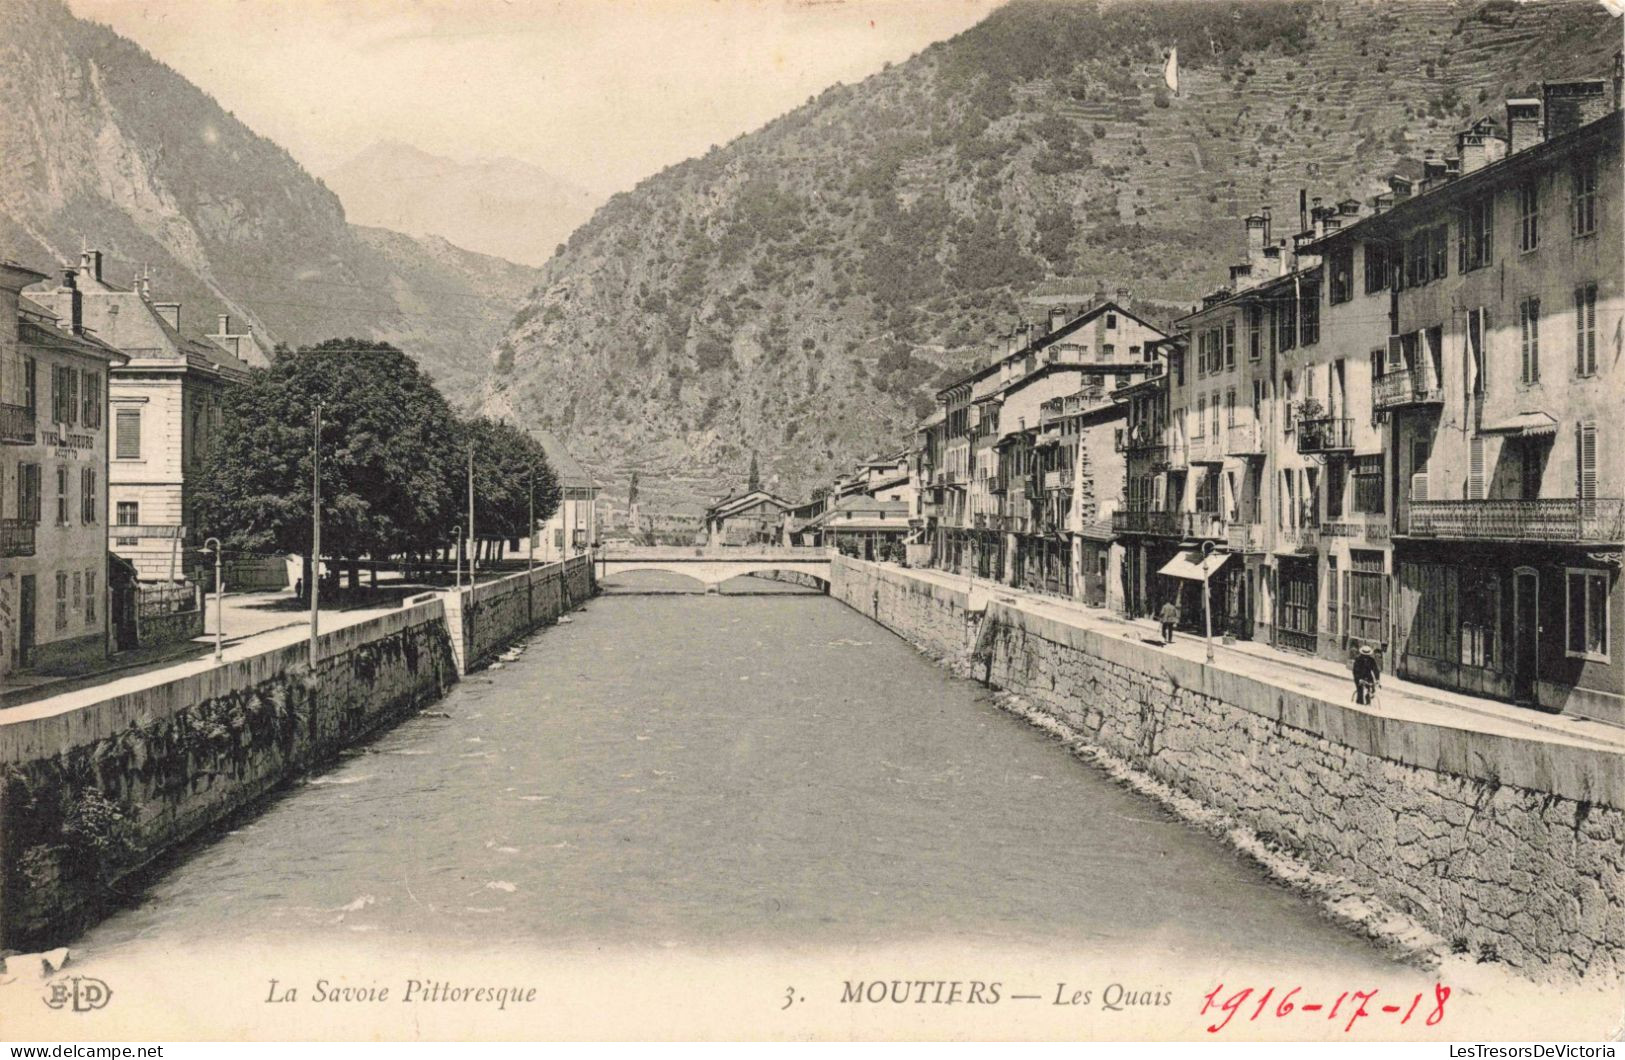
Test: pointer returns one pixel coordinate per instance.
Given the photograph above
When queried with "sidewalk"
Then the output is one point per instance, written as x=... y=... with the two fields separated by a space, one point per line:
x=1397 y=698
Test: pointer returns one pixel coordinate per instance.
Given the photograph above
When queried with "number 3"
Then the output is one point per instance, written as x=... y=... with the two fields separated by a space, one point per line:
x=789 y=997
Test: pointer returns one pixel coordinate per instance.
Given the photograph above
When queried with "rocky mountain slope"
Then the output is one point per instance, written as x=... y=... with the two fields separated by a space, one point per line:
x=102 y=144
x=803 y=290
x=398 y=187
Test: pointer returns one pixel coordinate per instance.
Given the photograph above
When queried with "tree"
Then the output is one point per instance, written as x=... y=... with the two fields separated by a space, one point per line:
x=386 y=454
x=755 y=481
x=509 y=468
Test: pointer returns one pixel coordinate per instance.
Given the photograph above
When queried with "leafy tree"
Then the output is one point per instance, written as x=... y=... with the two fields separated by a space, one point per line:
x=508 y=465
x=386 y=454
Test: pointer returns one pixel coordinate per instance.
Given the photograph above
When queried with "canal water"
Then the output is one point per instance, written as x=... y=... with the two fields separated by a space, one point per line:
x=764 y=767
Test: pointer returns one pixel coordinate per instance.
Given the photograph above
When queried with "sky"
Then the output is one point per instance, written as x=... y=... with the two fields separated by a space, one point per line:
x=601 y=93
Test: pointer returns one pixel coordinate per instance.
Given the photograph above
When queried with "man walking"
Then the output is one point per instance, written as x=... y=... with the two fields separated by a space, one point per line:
x=1366 y=675
x=1169 y=615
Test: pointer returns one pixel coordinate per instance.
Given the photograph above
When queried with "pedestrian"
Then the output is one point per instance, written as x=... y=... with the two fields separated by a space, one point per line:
x=1169 y=616
x=1367 y=675
x=299 y=589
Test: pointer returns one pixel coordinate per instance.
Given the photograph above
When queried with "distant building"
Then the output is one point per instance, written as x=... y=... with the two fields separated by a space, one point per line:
x=750 y=517
x=54 y=598
x=573 y=528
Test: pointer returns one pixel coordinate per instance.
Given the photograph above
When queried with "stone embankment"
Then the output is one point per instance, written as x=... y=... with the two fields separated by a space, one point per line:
x=92 y=793
x=1509 y=848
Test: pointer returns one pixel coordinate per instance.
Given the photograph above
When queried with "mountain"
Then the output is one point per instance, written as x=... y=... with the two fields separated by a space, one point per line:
x=102 y=144
x=396 y=186
x=803 y=290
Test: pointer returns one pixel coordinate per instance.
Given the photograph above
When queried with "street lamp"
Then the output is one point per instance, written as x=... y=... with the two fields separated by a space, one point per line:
x=530 y=532
x=457 y=552
x=219 y=597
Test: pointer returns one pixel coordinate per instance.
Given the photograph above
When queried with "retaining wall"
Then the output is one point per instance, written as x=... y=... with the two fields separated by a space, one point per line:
x=1512 y=847
x=93 y=793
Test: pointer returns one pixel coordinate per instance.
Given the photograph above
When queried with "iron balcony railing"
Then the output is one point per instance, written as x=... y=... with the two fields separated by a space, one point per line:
x=1548 y=519
x=1143 y=521
x=16 y=424
x=1325 y=435
x=1406 y=387
x=16 y=537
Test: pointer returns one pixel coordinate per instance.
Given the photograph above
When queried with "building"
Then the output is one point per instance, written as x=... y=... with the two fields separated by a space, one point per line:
x=1499 y=386
x=749 y=517
x=573 y=528
x=1081 y=470
x=167 y=403
x=1104 y=346
x=54 y=599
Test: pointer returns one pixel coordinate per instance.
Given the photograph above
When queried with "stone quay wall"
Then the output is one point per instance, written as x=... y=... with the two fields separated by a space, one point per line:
x=92 y=794
x=488 y=617
x=1513 y=848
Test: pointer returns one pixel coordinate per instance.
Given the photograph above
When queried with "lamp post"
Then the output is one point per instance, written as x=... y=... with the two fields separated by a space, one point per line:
x=457 y=553
x=473 y=542
x=315 y=532
x=219 y=596
x=530 y=534
x=1207 y=599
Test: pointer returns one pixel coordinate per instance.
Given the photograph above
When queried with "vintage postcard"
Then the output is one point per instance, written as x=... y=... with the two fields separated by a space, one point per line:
x=812 y=520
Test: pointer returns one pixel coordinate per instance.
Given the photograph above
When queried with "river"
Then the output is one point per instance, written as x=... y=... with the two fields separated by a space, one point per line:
x=769 y=768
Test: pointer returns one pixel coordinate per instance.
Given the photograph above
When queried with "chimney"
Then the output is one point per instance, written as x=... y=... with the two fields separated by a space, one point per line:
x=1122 y=297
x=1265 y=212
x=1523 y=124
x=1399 y=188
x=1257 y=235
x=225 y=324
x=1303 y=209
x=1479 y=146
x=76 y=304
x=170 y=311
x=1571 y=104
x=1057 y=318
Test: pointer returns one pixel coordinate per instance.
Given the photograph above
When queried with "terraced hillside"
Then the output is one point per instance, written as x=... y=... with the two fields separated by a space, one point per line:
x=801 y=291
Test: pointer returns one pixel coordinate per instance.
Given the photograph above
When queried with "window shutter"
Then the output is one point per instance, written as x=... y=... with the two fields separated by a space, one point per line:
x=1586 y=454
x=1475 y=471
x=128 y=442
x=1419 y=486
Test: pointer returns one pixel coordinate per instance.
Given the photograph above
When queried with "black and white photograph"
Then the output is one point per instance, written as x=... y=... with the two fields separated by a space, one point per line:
x=812 y=521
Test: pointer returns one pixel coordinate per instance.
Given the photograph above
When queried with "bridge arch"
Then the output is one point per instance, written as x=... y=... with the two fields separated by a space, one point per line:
x=713 y=567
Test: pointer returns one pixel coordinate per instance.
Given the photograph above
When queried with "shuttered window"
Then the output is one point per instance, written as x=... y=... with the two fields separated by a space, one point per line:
x=127 y=444
x=1529 y=327
x=1475 y=469
x=87 y=496
x=1587 y=592
x=1585 y=437
x=1585 y=329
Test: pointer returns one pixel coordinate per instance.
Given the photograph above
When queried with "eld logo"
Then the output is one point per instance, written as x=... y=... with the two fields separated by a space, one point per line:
x=80 y=993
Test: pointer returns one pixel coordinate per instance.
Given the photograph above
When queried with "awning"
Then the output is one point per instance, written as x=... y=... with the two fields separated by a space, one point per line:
x=1193 y=565
x=1525 y=424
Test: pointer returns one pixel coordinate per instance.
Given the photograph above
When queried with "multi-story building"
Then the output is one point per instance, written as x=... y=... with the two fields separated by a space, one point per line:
x=979 y=525
x=1080 y=468
x=54 y=600
x=573 y=528
x=167 y=403
x=1143 y=522
x=1499 y=383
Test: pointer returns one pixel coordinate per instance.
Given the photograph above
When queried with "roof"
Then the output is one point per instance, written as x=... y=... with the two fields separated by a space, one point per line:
x=1050 y=338
x=44 y=337
x=1410 y=210
x=869 y=504
x=565 y=468
x=738 y=502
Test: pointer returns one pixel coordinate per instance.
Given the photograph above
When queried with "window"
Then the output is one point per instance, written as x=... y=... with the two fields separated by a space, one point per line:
x=1342 y=276
x=1416 y=259
x=1529 y=327
x=1332 y=608
x=62 y=496
x=78 y=591
x=1111 y=320
x=1230 y=344
x=87 y=496
x=61 y=599
x=1255 y=332
x=1587 y=592
x=1585 y=329
x=1215 y=415
x=90 y=399
x=1286 y=324
x=1290 y=391
x=1310 y=312
x=28 y=493
x=1367 y=597
x=1207 y=491
x=1201 y=415
x=1376 y=268
x=90 y=597
x=1336 y=475
x=1439 y=253
x=127 y=428
x=1230 y=407
x=1585 y=197
x=1528 y=215
x=30 y=384
x=1478 y=225
x=1585 y=463
x=1368 y=489
x=129 y=513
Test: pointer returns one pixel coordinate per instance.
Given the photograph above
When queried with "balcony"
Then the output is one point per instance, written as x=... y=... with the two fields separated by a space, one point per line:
x=1326 y=435
x=1406 y=388
x=1244 y=537
x=1245 y=439
x=16 y=538
x=1133 y=521
x=1057 y=480
x=1550 y=519
x=996 y=484
x=16 y=424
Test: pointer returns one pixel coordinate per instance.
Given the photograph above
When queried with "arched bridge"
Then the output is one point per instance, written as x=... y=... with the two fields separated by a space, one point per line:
x=711 y=566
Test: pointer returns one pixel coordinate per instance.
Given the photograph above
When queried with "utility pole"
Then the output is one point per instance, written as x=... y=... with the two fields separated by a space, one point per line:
x=315 y=532
x=530 y=533
x=457 y=554
x=219 y=599
x=473 y=542
x=1207 y=599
